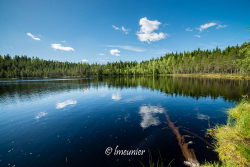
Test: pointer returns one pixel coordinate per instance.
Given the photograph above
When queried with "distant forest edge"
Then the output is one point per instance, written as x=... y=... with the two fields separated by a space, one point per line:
x=231 y=60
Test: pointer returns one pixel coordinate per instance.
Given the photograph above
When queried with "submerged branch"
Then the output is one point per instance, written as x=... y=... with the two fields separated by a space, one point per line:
x=201 y=138
x=189 y=154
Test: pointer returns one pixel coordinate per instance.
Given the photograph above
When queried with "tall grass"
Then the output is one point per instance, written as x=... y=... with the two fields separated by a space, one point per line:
x=233 y=139
x=159 y=162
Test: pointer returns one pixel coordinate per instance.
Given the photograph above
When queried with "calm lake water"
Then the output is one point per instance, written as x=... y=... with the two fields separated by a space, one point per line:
x=72 y=122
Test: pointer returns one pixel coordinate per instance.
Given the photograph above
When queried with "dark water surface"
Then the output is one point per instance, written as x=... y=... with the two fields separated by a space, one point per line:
x=72 y=122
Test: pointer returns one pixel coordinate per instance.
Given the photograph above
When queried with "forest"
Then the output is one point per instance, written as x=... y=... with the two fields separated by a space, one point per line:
x=231 y=90
x=231 y=60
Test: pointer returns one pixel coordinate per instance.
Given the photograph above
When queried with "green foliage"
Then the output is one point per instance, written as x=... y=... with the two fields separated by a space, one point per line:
x=186 y=86
x=231 y=90
x=233 y=139
x=233 y=60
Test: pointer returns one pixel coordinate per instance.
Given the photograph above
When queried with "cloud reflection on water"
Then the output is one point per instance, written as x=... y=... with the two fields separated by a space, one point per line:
x=148 y=114
x=203 y=117
x=116 y=96
x=133 y=99
x=40 y=115
x=66 y=103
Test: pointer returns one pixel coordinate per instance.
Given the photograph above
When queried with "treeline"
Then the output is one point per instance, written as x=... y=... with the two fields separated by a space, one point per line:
x=232 y=90
x=234 y=59
x=185 y=86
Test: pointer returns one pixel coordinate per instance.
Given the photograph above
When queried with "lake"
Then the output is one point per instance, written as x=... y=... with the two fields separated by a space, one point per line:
x=74 y=122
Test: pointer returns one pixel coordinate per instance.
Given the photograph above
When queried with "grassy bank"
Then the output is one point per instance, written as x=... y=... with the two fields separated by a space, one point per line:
x=233 y=140
x=222 y=76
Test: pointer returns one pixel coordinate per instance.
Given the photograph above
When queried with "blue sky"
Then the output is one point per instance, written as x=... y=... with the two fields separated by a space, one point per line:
x=113 y=30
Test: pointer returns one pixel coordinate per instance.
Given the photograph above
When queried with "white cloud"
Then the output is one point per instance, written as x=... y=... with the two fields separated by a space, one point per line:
x=197 y=35
x=148 y=114
x=151 y=37
x=33 y=36
x=126 y=47
x=147 y=28
x=125 y=30
x=115 y=27
x=58 y=46
x=189 y=29
x=206 y=26
x=116 y=96
x=64 y=104
x=115 y=52
x=221 y=26
x=122 y=28
x=84 y=60
x=211 y=24
x=40 y=115
x=101 y=54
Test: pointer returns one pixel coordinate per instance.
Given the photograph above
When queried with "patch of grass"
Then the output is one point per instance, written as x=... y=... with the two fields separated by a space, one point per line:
x=233 y=140
x=213 y=164
x=159 y=162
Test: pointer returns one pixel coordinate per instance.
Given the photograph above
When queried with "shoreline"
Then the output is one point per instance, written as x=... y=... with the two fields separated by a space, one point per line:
x=192 y=75
x=212 y=76
x=232 y=139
